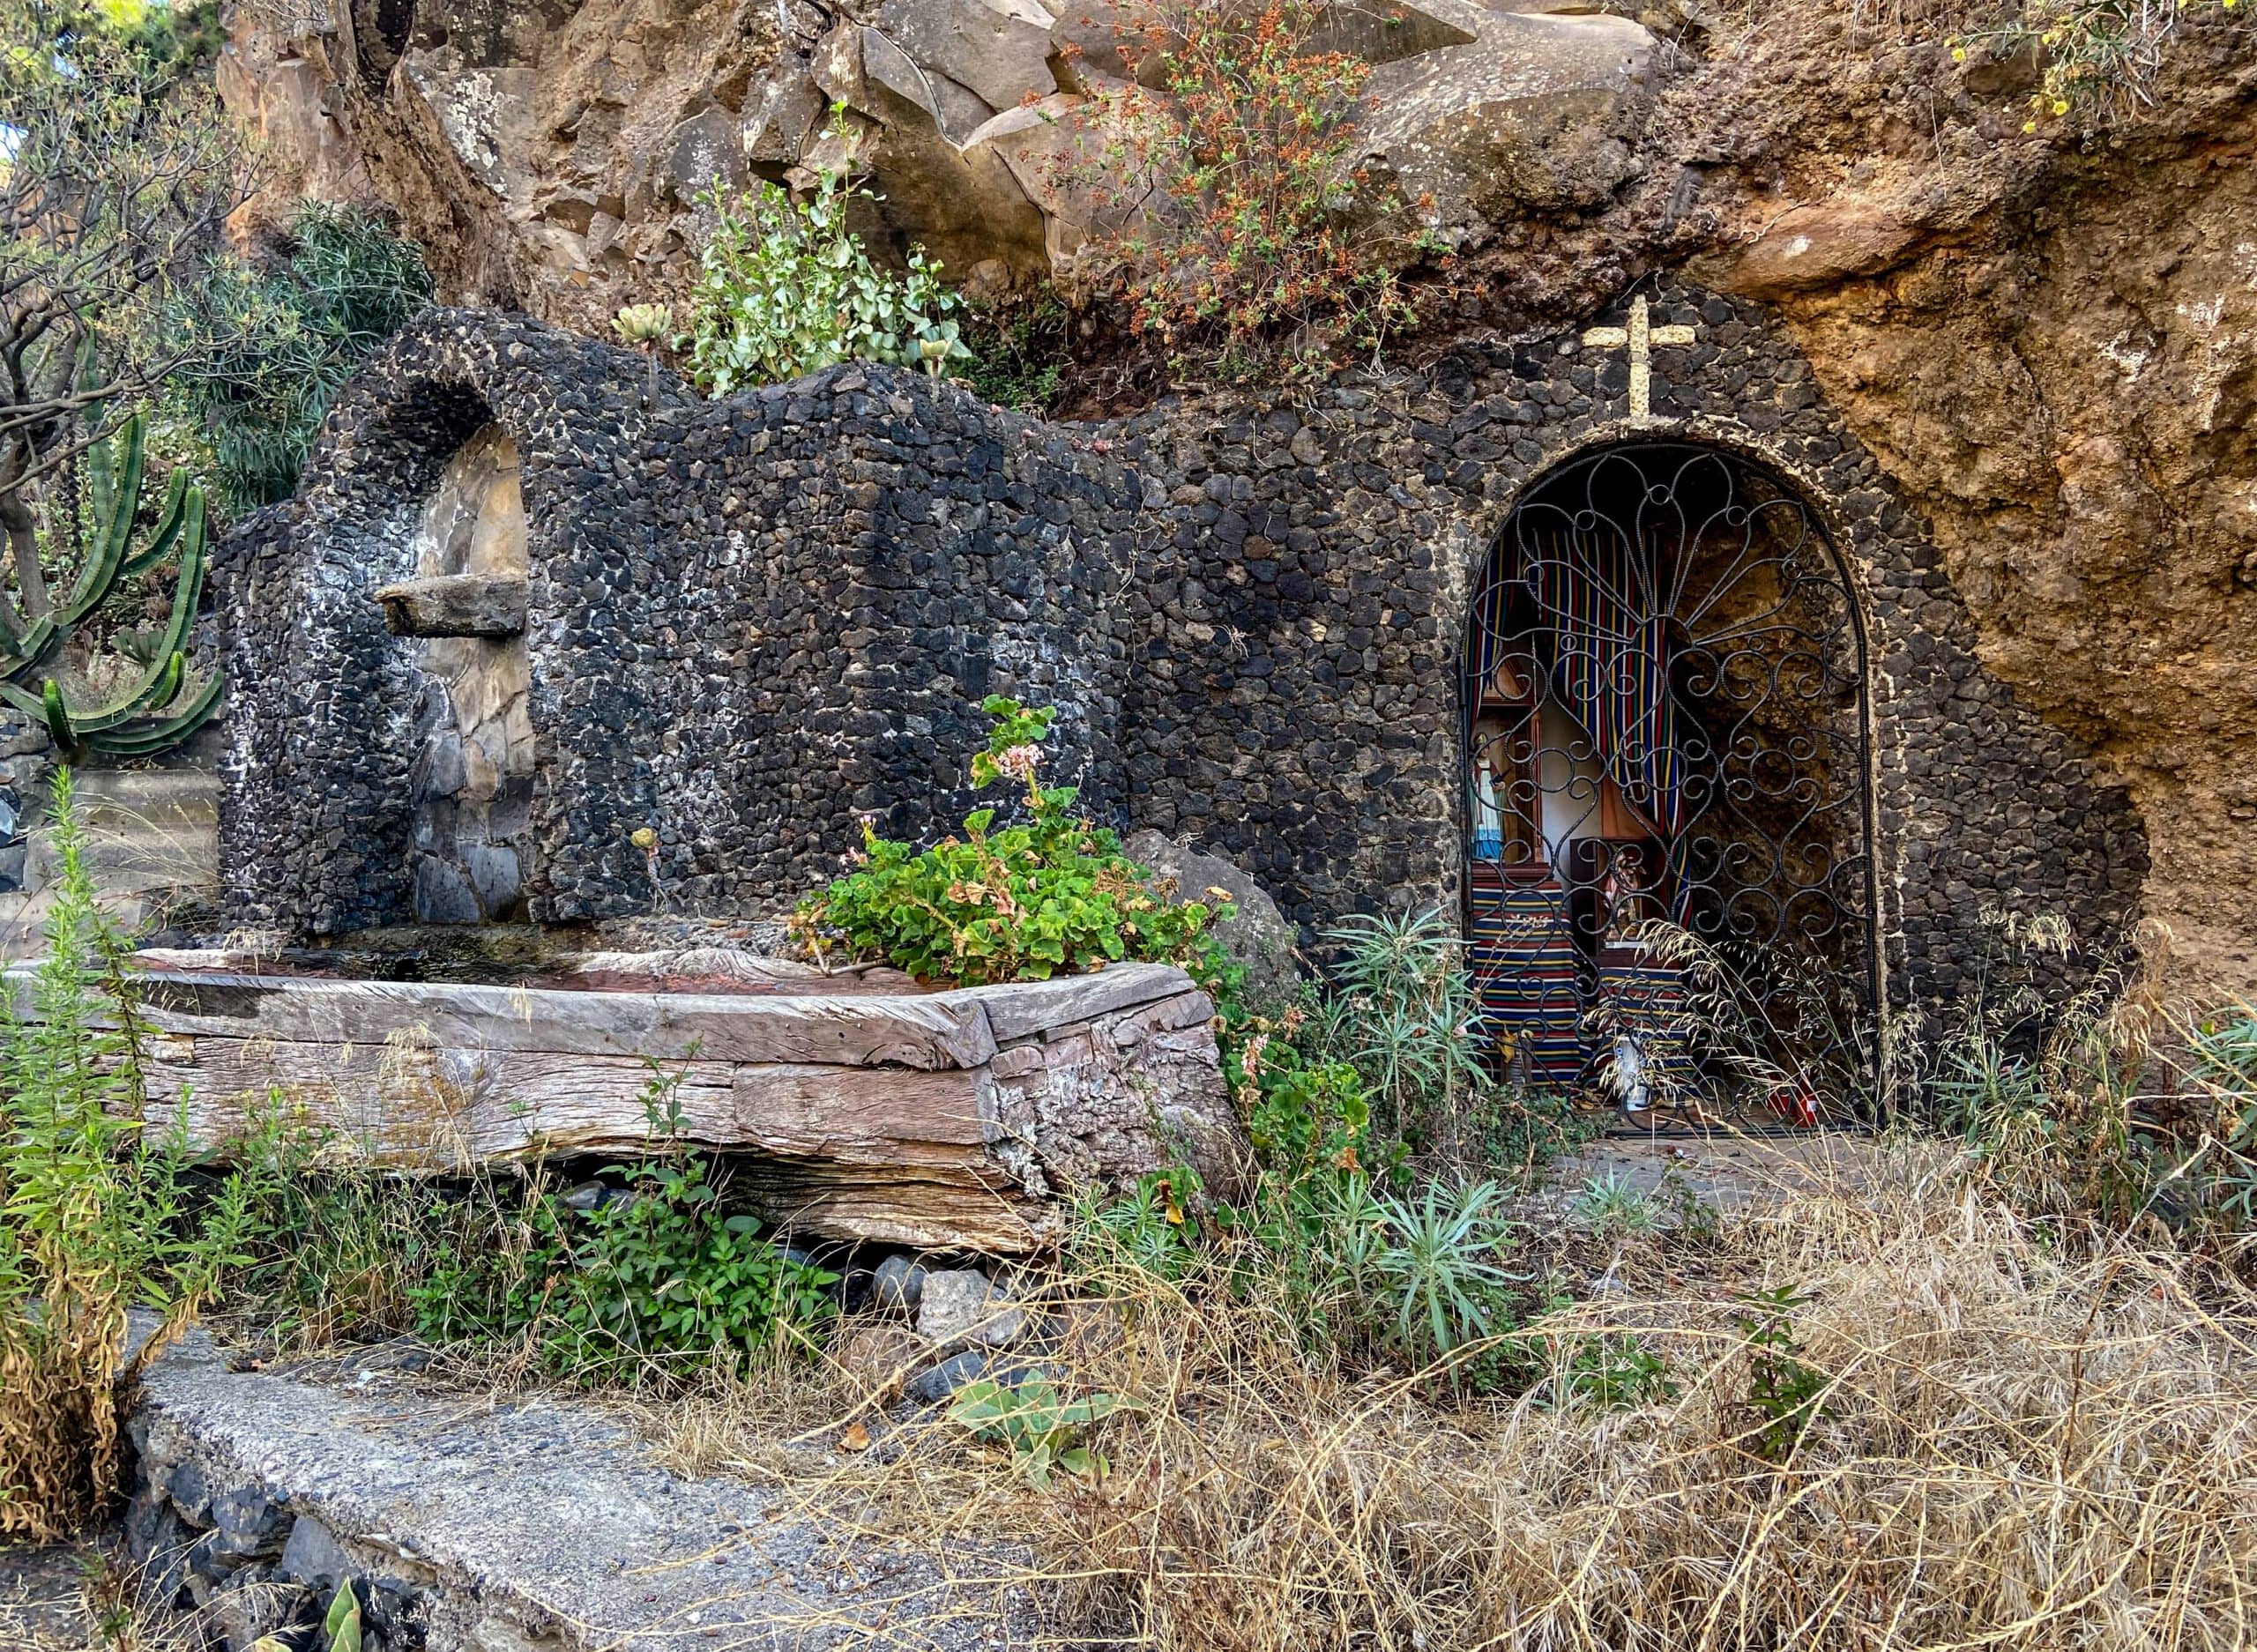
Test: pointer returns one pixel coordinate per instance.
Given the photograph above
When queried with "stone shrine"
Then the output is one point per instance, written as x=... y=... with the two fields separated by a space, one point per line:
x=745 y=622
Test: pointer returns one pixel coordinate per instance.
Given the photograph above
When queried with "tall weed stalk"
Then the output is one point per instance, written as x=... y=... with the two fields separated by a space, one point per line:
x=93 y=1216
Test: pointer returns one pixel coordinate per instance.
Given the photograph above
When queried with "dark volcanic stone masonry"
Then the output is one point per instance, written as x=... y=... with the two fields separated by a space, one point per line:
x=752 y=619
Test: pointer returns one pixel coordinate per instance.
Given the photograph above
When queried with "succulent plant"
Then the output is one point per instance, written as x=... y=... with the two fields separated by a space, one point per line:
x=646 y=327
x=153 y=713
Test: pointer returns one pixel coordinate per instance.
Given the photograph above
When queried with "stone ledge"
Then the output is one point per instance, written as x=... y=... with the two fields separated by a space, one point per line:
x=457 y=605
x=537 y=1525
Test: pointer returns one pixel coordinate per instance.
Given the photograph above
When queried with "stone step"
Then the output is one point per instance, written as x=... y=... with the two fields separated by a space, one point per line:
x=536 y=1524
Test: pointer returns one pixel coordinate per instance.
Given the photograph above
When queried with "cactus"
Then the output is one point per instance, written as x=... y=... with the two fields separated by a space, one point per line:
x=152 y=715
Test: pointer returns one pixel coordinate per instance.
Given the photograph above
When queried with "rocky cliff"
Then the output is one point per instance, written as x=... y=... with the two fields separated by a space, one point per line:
x=2048 y=339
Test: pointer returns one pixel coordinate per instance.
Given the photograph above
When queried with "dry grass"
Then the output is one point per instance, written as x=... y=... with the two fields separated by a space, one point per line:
x=2017 y=1447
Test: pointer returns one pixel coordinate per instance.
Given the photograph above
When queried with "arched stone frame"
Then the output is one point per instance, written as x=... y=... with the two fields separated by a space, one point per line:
x=321 y=738
x=1835 y=568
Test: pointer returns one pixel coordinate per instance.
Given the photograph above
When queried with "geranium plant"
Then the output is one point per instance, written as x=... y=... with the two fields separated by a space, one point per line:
x=1048 y=894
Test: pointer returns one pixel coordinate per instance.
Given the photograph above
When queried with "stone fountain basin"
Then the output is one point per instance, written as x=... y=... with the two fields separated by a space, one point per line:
x=857 y=1110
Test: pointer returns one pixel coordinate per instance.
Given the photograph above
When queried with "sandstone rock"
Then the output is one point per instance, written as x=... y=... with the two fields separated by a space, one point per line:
x=1256 y=936
x=557 y=164
x=963 y=1305
x=999 y=49
x=879 y=1359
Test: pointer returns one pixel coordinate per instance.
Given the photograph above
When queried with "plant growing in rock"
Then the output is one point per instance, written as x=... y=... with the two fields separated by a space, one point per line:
x=2099 y=58
x=645 y=327
x=1050 y=894
x=1236 y=177
x=785 y=288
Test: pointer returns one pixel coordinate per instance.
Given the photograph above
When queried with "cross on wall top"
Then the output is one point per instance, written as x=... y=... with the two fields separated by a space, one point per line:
x=1641 y=337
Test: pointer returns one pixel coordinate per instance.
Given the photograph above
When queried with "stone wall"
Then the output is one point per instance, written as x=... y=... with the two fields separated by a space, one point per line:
x=752 y=619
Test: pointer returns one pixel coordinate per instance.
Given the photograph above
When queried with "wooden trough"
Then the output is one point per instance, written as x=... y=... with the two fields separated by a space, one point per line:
x=855 y=1108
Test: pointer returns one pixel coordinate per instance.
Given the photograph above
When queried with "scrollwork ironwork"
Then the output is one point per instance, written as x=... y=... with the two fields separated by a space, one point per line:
x=1665 y=723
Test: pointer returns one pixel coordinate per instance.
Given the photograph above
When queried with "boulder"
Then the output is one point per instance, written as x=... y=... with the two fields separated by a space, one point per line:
x=1534 y=113
x=999 y=49
x=1059 y=150
x=1256 y=937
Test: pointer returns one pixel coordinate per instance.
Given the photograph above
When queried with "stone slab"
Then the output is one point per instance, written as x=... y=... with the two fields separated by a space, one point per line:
x=503 y=1526
x=455 y=604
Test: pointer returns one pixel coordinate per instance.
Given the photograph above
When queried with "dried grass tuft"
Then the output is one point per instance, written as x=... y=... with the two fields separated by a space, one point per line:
x=2016 y=1446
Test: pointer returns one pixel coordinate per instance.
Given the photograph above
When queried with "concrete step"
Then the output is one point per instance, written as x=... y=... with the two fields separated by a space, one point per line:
x=536 y=1524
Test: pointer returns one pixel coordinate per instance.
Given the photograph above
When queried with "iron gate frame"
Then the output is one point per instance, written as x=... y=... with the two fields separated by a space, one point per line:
x=1812 y=558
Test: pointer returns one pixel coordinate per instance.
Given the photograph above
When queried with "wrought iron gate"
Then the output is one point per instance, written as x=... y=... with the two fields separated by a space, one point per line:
x=1666 y=721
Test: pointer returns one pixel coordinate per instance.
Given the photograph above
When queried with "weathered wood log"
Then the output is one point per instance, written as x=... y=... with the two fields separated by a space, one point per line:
x=457 y=605
x=880 y=1116
x=941 y=1029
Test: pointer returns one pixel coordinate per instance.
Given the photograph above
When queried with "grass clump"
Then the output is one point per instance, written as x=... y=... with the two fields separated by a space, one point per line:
x=95 y=1218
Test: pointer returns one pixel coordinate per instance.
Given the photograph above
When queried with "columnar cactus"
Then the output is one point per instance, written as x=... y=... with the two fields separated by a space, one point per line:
x=152 y=714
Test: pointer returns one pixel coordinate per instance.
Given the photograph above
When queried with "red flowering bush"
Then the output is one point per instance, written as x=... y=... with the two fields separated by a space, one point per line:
x=1237 y=175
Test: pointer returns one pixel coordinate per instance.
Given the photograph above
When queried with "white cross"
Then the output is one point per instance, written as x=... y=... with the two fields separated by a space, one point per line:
x=1640 y=337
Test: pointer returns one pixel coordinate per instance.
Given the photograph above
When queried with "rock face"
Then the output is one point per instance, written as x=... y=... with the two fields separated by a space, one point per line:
x=555 y=164
x=545 y=157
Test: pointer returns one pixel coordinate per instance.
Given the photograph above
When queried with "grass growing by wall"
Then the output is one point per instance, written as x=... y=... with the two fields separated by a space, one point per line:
x=94 y=1215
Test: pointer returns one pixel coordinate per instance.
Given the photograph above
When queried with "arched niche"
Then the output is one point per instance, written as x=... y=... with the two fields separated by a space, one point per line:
x=1666 y=772
x=461 y=618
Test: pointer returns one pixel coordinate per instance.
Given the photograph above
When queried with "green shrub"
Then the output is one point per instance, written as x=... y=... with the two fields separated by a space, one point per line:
x=659 y=1278
x=282 y=342
x=1018 y=348
x=1615 y=1373
x=1049 y=894
x=1784 y=1392
x=785 y=288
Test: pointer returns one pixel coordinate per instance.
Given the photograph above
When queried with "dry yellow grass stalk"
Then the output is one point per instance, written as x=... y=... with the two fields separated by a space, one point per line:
x=2017 y=1447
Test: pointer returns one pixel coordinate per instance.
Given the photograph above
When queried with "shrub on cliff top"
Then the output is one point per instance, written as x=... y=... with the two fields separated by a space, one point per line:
x=1049 y=894
x=786 y=288
x=1236 y=174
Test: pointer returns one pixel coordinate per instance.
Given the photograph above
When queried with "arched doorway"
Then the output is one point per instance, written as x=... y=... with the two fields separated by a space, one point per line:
x=1667 y=755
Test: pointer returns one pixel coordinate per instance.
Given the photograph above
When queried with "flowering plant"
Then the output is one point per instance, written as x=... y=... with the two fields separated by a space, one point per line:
x=1233 y=162
x=1050 y=894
